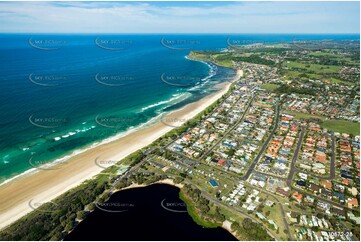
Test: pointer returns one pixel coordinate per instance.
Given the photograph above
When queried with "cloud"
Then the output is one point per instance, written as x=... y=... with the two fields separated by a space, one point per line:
x=180 y=17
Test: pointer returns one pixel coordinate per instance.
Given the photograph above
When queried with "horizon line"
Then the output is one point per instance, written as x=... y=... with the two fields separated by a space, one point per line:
x=169 y=33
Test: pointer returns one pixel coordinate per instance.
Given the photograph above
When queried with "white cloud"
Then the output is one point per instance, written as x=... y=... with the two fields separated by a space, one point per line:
x=140 y=17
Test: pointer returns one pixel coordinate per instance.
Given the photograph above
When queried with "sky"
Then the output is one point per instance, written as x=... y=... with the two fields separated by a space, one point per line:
x=180 y=17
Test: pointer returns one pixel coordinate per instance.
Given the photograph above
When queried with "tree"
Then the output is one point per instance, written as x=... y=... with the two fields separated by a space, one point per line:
x=235 y=226
x=69 y=226
x=90 y=206
x=80 y=215
x=178 y=180
x=56 y=237
x=219 y=215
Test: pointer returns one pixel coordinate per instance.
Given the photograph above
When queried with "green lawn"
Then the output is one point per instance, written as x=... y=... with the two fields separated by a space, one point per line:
x=324 y=54
x=335 y=80
x=269 y=86
x=342 y=126
x=226 y=63
x=299 y=115
x=314 y=67
x=335 y=56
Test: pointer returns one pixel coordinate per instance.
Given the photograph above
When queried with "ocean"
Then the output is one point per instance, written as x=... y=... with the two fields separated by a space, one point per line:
x=63 y=94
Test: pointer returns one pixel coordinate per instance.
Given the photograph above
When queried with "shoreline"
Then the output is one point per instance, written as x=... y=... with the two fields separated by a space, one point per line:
x=167 y=181
x=63 y=159
x=45 y=185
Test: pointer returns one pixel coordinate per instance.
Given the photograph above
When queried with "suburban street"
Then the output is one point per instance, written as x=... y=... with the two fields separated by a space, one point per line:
x=295 y=156
x=264 y=147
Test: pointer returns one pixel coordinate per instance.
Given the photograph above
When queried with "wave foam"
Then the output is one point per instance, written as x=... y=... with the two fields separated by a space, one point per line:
x=93 y=145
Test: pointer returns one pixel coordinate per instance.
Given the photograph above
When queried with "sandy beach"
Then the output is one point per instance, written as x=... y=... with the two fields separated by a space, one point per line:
x=227 y=226
x=45 y=185
x=165 y=181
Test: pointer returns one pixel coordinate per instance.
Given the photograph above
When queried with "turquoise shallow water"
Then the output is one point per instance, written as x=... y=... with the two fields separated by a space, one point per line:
x=62 y=93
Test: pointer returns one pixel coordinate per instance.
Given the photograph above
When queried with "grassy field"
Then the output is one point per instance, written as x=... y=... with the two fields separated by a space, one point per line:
x=299 y=115
x=275 y=216
x=269 y=86
x=314 y=67
x=335 y=80
x=226 y=63
x=334 y=56
x=262 y=104
x=212 y=58
x=342 y=126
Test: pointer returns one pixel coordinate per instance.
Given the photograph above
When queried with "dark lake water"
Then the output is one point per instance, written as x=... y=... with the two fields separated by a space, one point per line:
x=151 y=213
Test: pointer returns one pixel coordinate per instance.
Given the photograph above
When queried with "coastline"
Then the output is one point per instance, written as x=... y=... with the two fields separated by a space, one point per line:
x=45 y=185
x=165 y=181
x=227 y=226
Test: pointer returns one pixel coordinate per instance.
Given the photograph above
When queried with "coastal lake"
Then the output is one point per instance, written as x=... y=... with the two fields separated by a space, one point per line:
x=149 y=213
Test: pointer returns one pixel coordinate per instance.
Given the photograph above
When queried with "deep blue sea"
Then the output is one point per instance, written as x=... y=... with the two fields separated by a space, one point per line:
x=62 y=93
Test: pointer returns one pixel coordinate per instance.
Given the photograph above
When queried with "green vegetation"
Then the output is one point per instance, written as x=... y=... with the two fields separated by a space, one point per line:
x=252 y=230
x=256 y=59
x=269 y=86
x=198 y=208
x=342 y=126
x=227 y=59
x=334 y=58
x=49 y=222
x=335 y=80
x=286 y=89
x=225 y=63
x=299 y=115
x=312 y=68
